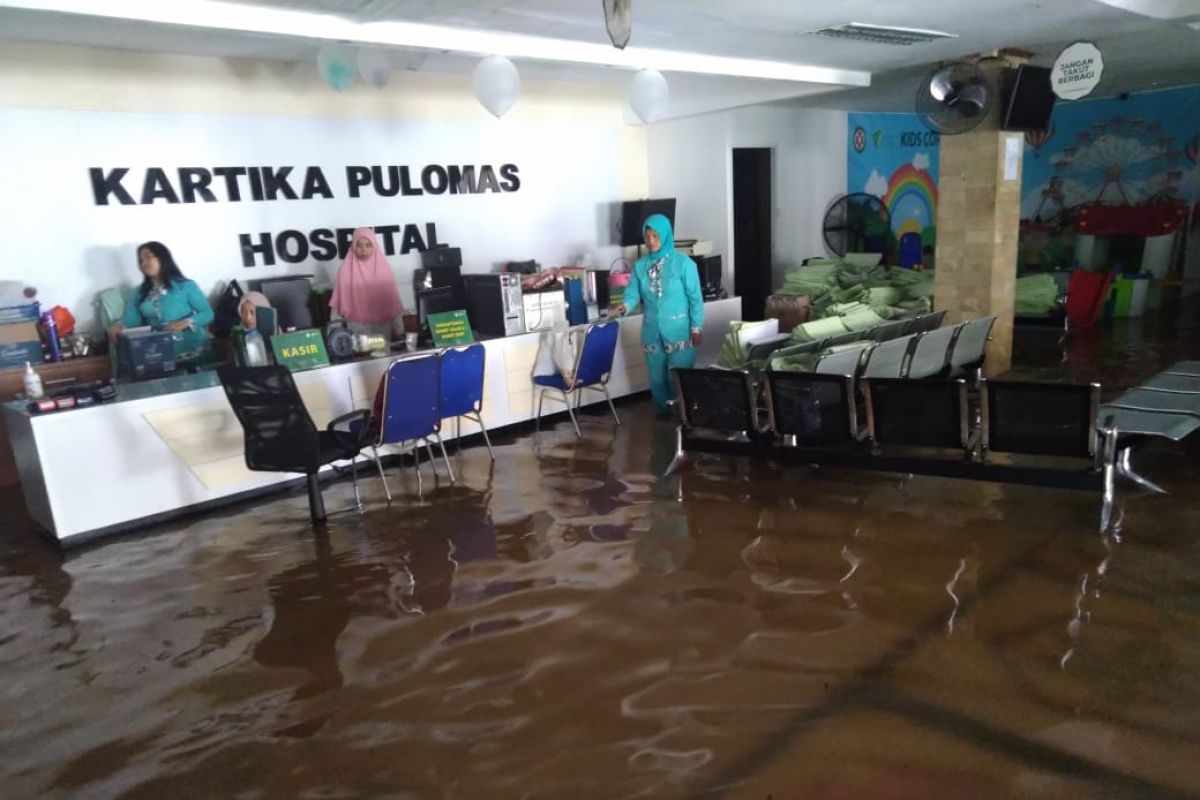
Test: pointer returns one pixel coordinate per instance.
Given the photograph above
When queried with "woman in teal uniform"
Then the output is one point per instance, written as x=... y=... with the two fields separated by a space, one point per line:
x=668 y=284
x=168 y=301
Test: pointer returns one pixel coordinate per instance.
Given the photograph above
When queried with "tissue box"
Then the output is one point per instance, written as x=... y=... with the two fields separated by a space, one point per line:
x=20 y=342
x=146 y=354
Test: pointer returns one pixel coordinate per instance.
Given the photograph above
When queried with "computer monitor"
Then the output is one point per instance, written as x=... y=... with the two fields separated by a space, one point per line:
x=635 y=212
x=434 y=301
x=289 y=297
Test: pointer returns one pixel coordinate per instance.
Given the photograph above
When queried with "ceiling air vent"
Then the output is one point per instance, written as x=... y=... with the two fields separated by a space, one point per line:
x=882 y=34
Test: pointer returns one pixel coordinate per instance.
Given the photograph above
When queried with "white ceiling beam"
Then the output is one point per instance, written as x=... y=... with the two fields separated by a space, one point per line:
x=233 y=16
x=1158 y=9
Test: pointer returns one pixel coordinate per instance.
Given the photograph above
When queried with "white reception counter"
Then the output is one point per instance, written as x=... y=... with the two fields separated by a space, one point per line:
x=167 y=446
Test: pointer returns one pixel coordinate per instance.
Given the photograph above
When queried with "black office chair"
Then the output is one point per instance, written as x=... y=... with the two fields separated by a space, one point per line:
x=280 y=434
x=723 y=401
x=1055 y=419
x=720 y=402
x=918 y=413
x=811 y=410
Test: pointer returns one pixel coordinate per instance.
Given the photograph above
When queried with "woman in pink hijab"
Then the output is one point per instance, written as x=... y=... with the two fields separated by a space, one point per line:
x=364 y=293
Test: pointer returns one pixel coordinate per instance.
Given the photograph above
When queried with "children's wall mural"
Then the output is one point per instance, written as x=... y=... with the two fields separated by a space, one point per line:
x=1120 y=170
x=894 y=157
x=1111 y=184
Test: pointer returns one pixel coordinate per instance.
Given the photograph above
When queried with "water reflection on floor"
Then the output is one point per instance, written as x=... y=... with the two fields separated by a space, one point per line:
x=561 y=625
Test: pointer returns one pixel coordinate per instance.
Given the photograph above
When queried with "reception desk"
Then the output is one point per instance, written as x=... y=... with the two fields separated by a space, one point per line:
x=169 y=446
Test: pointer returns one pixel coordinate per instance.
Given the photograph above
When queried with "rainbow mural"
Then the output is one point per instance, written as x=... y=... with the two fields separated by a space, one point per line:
x=895 y=158
x=911 y=199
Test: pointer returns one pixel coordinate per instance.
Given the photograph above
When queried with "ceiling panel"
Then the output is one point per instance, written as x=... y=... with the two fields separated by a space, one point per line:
x=1140 y=51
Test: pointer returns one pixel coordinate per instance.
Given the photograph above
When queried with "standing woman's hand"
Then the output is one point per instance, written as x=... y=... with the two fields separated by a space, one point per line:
x=620 y=311
x=697 y=338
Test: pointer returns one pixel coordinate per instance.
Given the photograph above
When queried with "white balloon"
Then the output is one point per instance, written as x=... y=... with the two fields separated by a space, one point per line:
x=649 y=95
x=375 y=66
x=412 y=60
x=335 y=62
x=497 y=84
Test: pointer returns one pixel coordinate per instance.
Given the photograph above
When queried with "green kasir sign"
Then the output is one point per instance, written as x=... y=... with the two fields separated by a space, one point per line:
x=300 y=350
x=450 y=328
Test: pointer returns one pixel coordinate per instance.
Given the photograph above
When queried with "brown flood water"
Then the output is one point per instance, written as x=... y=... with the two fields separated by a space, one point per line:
x=563 y=624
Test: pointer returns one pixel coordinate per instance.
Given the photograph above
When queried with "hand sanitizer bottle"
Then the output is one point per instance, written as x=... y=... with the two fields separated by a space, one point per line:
x=33 y=383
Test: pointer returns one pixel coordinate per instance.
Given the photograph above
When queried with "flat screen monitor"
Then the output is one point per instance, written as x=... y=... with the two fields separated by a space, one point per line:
x=435 y=301
x=289 y=297
x=635 y=212
x=1030 y=100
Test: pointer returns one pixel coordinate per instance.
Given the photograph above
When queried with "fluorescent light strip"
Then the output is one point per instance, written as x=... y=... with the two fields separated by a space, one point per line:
x=220 y=15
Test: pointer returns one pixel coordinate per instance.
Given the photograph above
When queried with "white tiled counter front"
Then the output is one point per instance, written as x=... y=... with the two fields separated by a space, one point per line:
x=111 y=467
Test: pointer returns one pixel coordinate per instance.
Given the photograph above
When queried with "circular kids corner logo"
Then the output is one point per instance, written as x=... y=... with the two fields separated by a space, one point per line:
x=860 y=140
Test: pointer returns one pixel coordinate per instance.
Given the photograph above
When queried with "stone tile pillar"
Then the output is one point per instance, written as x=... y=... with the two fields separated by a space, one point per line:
x=978 y=216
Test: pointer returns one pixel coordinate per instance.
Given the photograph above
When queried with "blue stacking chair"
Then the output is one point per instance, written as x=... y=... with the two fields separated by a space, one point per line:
x=593 y=366
x=412 y=411
x=462 y=388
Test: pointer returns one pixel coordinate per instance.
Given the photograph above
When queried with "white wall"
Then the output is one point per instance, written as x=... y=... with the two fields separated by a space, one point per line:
x=65 y=109
x=691 y=160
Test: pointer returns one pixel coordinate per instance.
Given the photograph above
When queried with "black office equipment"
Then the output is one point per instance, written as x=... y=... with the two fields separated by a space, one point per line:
x=634 y=214
x=710 y=274
x=290 y=298
x=441 y=257
x=339 y=341
x=1030 y=99
x=434 y=301
x=599 y=284
x=441 y=277
x=225 y=312
x=494 y=304
x=146 y=354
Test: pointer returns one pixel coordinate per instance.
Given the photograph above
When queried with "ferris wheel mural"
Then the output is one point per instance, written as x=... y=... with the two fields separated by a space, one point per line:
x=1127 y=161
x=1112 y=167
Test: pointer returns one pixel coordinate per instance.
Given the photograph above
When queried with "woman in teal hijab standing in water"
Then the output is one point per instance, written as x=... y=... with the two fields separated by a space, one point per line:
x=668 y=284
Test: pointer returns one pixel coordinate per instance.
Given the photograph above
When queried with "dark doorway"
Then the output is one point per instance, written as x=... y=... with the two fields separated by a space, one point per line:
x=752 y=277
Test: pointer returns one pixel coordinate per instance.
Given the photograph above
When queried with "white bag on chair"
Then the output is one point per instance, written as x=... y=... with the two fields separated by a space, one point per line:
x=564 y=349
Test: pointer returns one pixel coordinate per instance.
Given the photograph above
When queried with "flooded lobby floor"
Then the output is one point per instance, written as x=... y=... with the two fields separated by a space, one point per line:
x=563 y=624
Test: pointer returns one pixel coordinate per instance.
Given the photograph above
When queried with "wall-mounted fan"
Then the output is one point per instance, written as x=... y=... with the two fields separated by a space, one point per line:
x=956 y=97
x=857 y=223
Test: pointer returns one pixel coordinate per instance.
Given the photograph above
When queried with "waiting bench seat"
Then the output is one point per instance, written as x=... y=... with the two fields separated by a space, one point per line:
x=813 y=418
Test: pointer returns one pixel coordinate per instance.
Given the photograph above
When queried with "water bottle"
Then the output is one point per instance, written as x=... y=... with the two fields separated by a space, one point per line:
x=52 y=335
x=33 y=383
x=256 y=349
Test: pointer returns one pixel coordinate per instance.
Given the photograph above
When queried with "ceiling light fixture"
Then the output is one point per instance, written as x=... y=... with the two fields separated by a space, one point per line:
x=882 y=34
x=222 y=15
